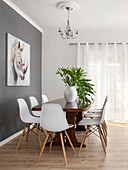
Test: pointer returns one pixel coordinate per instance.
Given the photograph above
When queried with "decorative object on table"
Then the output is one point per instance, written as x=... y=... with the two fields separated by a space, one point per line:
x=70 y=94
x=68 y=33
x=75 y=77
x=68 y=76
x=18 y=62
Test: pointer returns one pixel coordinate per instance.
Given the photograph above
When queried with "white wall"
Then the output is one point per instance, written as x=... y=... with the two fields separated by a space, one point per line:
x=58 y=53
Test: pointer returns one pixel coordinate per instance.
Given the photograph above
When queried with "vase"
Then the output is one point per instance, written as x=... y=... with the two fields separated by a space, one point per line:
x=70 y=94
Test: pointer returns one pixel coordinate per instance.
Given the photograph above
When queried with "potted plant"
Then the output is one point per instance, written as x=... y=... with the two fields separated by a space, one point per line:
x=77 y=85
x=68 y=76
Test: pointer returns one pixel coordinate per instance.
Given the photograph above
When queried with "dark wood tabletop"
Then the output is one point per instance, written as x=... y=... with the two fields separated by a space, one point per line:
x=73 y=115
x=68 y=107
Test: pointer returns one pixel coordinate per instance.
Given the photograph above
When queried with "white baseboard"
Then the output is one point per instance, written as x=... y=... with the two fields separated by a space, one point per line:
x=10 y=138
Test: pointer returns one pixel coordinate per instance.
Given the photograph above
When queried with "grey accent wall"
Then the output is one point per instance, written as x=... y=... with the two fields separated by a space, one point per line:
x=11 y=22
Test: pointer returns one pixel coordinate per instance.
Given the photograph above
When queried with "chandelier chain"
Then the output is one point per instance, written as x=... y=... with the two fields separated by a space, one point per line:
x=68 y=33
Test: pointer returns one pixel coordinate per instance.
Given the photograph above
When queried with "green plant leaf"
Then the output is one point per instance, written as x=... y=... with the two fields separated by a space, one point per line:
x=76 y=77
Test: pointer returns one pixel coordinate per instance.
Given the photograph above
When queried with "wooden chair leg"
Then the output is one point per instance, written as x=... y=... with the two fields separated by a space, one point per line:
x=37 y=129
x=104 y=135
x=104 y=130
x=32 y=129
x=28 y=133
x=63 y=148
x=43 y=147
x=70 y=142
x=51 y=141
x=105 y=124
x=44 y=132
x=101 y=139
x=105 y=127
x=84 y=137
x=20 y=138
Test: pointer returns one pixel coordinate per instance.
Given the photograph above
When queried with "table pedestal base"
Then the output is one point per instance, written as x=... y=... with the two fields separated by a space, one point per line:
x=71 y=132
x=75 y=144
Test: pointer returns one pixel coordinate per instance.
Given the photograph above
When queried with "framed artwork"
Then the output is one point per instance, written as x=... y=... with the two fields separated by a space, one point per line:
x=18 y=62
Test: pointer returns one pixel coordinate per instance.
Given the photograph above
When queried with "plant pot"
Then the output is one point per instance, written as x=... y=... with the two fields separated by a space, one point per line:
x=70 y=94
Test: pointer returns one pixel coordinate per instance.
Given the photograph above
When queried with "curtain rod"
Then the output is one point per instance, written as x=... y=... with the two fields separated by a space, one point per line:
x=93 y=43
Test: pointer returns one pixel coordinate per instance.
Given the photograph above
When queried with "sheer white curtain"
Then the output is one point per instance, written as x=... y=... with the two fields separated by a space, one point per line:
x=107 y=66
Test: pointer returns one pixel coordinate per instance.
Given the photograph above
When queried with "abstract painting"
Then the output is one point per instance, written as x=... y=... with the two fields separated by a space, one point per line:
x=18 y=62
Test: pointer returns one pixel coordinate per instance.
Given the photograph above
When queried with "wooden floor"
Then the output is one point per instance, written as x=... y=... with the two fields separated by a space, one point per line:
x=91 y=157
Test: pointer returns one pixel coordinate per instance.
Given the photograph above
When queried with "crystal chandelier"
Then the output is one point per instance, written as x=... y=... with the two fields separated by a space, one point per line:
x=68 y=33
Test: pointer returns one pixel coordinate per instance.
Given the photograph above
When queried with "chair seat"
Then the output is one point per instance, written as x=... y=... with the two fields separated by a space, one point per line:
x=57 y=129
x=86 y=122
x=28 y=119
x=95 y=125
x=36 y=113
x=32 y=120
x=71 y=125
x=95 y=111
x=53 y=119
x=93 y=114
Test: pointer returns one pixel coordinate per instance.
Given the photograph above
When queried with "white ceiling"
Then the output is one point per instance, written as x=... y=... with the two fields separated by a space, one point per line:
x=92 y=14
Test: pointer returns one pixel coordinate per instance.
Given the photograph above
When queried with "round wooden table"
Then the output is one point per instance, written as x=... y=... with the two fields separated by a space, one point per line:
x=73 y=114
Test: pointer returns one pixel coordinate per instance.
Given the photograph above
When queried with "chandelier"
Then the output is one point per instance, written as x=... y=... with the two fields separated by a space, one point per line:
x=68 y=33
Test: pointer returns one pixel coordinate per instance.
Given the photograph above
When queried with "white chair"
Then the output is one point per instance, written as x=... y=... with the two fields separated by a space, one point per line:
x=54 y=120
x=44 y=98
x=95 y=113
x=34 y=103
x=95 y=125
x=28 y=119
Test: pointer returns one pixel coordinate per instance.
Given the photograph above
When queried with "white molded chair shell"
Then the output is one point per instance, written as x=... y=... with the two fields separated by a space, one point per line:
x=25 y=114
x=103 y=111
x=34 y=103
x=95 y=113
x=86 y=122
x=44 y=98
x=53 y=118
x=98 y=121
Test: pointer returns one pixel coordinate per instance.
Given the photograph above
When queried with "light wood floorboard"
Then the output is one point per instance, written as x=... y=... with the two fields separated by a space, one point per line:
x=90 y=158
